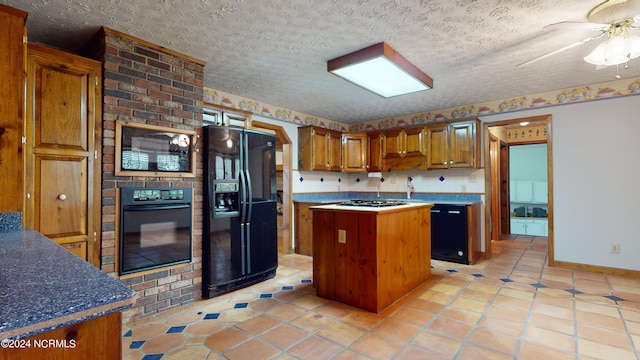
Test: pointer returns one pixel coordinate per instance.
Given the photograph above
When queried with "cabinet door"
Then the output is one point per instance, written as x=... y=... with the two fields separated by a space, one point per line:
x=462 y=145
x=354 y=152
x=12 y=55
x=540 y=192
x=438 y=147
x=537 y=228
x=524 y=191
x=414 y=142
x=62 y=150
x=393 y=144
x=518 y=227
x=335 y=151
x=375 y=152
x=320 y=150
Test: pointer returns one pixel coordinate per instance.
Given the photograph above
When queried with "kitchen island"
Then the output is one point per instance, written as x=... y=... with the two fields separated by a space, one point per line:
x=55 y=305
x=370 y=257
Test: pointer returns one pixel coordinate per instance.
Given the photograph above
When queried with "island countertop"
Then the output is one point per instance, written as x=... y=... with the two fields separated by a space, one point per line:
x=407 y=206
x=44 y=287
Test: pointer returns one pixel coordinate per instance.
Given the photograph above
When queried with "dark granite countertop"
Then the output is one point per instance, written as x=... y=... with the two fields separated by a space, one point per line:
x=44 y=287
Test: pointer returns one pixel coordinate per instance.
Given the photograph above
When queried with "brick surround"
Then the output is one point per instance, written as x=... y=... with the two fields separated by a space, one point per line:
x=145 y=83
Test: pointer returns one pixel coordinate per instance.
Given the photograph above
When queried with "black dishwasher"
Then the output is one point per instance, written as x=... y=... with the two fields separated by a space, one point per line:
x=449 y=237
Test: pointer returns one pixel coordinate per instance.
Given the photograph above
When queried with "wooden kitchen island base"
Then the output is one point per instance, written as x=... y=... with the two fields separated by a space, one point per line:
x=370 y=257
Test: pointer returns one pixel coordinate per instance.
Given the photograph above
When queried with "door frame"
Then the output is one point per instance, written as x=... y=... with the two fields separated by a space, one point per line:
x=287 y=198
x=490 y=181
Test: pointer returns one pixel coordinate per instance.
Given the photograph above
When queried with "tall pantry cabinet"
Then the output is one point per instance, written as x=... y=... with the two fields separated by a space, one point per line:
x=62 y=149
x=13 y=38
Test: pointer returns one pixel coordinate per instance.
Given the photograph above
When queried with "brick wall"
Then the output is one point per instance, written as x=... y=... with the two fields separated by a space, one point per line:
x=147 y=84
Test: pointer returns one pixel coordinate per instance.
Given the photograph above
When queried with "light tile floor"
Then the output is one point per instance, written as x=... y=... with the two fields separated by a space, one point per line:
x=511 y=306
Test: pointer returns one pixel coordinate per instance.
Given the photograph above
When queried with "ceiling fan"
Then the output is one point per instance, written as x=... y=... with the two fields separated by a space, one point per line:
x=615 y=19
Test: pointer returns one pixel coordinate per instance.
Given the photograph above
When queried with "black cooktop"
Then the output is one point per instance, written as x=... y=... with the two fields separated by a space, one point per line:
x=373 y=203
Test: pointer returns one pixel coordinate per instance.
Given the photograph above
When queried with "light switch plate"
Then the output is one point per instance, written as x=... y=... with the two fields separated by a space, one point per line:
x=342 y=236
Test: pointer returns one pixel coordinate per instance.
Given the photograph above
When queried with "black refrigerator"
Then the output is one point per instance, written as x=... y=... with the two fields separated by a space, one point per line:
x=240 y=216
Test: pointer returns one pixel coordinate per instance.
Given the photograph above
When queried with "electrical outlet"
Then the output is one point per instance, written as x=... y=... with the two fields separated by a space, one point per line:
x=473 y=178
x=615 y=248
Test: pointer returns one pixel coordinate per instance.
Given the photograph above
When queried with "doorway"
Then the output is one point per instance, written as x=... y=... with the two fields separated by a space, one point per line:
x=284 y=144
x=499 y=136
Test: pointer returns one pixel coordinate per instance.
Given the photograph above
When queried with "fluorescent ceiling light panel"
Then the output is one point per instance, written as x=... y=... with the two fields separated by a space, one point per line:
x=381 y=70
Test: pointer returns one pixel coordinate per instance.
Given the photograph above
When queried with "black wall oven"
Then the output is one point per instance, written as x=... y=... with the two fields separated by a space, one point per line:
x=155 y=228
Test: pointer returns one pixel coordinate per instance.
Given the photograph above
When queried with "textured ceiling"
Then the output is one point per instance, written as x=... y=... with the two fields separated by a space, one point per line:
x=275 y=51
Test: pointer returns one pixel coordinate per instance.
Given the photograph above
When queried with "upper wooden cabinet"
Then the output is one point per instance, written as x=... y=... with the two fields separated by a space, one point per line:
x=12 y=57
x=355 y=152
x=453 y=145
x=63 y=149
x=376 y=162
x=445 y=145
x=319 y=149
x=404 y=149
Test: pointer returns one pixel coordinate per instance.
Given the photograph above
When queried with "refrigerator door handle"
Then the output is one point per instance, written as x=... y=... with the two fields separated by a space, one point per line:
x=249 y=199
x=243 y=180
x=243 y=246
x=248 y=245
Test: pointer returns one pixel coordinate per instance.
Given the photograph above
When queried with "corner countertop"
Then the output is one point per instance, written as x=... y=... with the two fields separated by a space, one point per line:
x=407 y=206
x=44 y=287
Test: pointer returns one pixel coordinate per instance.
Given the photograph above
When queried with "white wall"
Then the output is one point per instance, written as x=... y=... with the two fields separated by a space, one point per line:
x=596 y=146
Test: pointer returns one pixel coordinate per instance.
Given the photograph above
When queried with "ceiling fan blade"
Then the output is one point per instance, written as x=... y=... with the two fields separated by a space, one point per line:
x=557 y=51
x=604 y=5
x=579 y=25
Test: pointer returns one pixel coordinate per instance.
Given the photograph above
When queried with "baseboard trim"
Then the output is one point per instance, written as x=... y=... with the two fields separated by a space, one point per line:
x=595 y=268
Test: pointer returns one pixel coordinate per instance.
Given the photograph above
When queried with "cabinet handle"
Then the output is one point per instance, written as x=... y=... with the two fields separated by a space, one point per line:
x=62 y=197
x=28 y=196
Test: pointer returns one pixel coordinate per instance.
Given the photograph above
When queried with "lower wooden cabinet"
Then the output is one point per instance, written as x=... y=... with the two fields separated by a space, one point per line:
x=303 y=227
x=98 y=338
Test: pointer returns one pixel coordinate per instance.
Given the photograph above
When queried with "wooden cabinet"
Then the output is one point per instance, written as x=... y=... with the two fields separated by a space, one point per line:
x=304 y=228
x=371 y=259
x=319 y=149
x=12 y=57
x=355 y=152
x=63 y=149
x=453 y=145
x=404 y=149
x=376 y=162
x=98 y=338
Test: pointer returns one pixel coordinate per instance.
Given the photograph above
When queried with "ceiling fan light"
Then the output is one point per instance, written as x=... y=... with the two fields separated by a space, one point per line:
x=614 y=51
x=597 y=56
x=633 y=44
